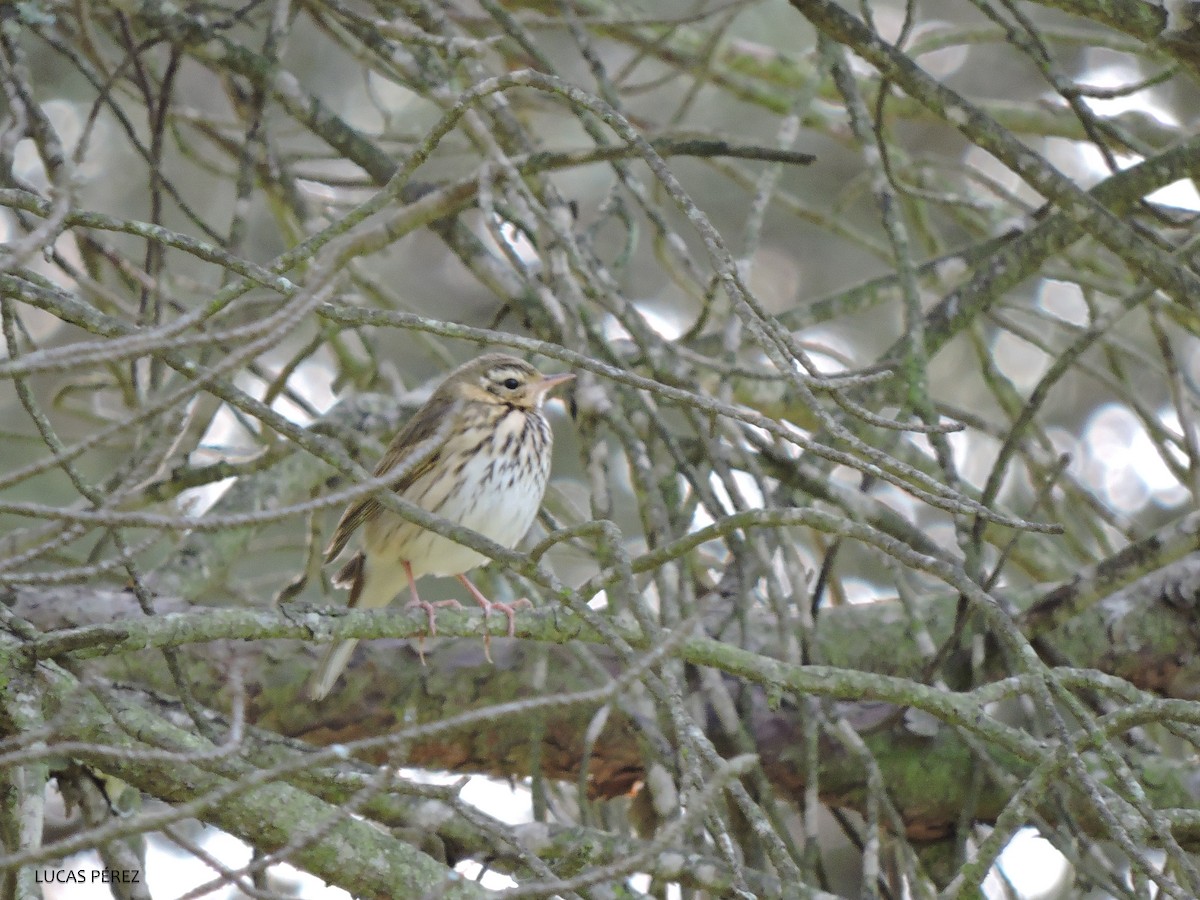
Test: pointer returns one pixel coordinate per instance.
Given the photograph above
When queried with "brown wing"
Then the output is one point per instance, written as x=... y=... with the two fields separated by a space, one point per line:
x=423 y=425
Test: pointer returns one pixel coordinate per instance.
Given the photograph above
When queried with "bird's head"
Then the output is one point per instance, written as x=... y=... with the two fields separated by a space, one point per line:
x=500 y=378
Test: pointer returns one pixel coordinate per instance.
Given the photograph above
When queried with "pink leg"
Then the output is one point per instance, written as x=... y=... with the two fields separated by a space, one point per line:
x=430 y=609
x=509 y=610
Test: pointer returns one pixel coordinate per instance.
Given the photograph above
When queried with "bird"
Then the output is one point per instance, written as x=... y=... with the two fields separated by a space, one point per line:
x=488 y=471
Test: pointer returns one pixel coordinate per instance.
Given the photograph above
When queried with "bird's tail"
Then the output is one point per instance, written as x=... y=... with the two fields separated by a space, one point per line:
x=333 y=663
x=368 y=590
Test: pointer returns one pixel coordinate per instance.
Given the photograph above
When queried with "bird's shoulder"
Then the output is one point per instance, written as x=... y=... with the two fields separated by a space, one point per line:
x=425 y=424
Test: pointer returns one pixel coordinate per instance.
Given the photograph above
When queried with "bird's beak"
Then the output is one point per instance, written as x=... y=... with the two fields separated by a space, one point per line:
x=547 y=383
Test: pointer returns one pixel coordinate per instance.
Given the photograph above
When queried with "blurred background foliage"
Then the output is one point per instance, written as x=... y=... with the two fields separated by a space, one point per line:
x=897 y=300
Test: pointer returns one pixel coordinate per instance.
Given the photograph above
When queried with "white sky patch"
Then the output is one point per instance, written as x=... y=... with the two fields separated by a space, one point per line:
x=518 y=243
x=308 y=887
x=1079 y=161
x=858 y=590
x=945 y=61
x=492 y=880
x=1111 y=75
x=172 y=872
x=1121 y=462
x=71 y=880
x=701 y=519
x=1083 y=161
x=847 y=475
x=1181 y=194
x=226 y=438
x=1018 y=360
x=1162 y=482
x=641 y=884
x=974 y=455
x=667 y=326
x=312 y=380
x=746 y=485
x=512 y=805
x=1032 y=865
x=1063 y=300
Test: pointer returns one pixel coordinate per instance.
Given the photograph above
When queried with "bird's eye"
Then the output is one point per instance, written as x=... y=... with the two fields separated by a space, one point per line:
x=511 y=383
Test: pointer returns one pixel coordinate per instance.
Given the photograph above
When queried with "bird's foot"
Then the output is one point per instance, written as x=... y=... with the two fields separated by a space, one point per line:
x=509 y=610
x=431 y=611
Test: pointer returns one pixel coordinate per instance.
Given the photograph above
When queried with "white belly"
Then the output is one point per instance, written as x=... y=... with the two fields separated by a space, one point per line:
x=497 y=496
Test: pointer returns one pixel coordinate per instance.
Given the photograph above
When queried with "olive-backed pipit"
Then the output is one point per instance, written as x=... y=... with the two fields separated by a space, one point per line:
x=489 y=473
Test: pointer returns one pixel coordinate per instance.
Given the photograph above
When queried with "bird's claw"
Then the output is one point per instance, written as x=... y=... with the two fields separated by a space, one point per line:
x=510 y=613
x=431 y=611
